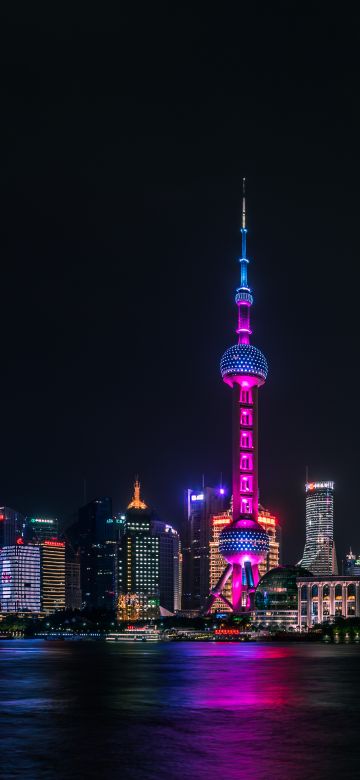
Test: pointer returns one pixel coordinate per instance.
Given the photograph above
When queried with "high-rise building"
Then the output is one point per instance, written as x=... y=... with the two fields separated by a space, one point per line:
x=270 y=524
x=20 y=579
x=94 y=538
x=52 y=575
x=169 y=566
x=11 y=526
x=218 y=563
x=38 y=529
x=139 y=554
x=244 y=544
x=319 y=552
x=200 y=506
x=148 y=563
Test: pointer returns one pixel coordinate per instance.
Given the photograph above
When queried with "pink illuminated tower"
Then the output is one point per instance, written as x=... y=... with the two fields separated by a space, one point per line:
x=243 y=544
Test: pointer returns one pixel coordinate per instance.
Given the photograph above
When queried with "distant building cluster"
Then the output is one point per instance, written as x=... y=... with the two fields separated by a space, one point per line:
x=129 y=562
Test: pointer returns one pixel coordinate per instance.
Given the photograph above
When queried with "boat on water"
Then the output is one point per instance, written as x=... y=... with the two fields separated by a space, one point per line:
x=135 y=634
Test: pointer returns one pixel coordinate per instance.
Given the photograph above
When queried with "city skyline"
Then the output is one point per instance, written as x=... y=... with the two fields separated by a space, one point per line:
x=124 y=241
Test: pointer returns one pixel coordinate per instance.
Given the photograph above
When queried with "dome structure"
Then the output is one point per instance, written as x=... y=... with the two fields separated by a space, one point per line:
x=246 y=360
x=277 y=590
x=244 y=540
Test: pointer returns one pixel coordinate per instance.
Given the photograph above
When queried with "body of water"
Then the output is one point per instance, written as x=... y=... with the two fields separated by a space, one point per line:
x=179 y=710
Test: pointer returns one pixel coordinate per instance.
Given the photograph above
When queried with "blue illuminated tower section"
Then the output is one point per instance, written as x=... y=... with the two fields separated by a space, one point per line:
x=243 y=544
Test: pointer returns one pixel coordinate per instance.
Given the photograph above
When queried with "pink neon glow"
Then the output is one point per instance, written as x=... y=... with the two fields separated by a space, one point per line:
x=246 y=484
x=246 y=439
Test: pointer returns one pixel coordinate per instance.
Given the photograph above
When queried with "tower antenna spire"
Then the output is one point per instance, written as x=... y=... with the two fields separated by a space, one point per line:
x=243 y=219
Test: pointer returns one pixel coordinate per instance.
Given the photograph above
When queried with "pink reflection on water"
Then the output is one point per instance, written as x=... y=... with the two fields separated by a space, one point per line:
x=259 y=676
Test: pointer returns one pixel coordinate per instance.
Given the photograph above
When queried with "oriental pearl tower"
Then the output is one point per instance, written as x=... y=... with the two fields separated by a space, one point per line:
x=243 y=544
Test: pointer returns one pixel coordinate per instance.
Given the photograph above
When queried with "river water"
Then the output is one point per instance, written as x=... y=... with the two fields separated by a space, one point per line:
x=179 y=710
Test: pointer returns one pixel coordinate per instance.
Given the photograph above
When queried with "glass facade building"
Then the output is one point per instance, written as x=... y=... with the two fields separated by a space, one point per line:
x=319 y=552
x=20 y=578
x=276 y=598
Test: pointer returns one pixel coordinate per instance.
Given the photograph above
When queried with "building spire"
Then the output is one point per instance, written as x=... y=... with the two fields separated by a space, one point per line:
x=136 y=502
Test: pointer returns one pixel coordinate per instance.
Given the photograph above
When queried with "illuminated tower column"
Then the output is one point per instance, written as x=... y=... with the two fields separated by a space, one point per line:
x=243 y=544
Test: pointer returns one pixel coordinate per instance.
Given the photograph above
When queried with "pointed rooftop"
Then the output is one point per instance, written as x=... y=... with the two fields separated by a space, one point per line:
x=136 y=502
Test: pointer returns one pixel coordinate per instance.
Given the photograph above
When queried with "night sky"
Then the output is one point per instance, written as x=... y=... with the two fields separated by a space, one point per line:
x=125 y=139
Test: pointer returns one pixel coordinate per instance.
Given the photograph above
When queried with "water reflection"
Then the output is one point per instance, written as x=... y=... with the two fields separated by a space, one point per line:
x=179 y=710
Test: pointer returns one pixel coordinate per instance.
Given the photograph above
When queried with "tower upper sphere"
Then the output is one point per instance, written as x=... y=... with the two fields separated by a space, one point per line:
x=243 y=360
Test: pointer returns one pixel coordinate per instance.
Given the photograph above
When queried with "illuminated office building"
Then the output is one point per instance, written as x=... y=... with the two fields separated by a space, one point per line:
x=217 y=562
x=319 y=552
x=20 y=579
x=149 y=563
x=200 y=506
x=11 y=526
x=52 y=575
x=139 y=560
x=270 y=524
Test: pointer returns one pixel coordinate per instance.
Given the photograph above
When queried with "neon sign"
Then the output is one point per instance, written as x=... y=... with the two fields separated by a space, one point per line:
x=41 y=520
x=198 y=497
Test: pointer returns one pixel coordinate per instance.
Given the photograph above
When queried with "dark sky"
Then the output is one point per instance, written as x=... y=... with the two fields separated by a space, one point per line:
x=125 y=138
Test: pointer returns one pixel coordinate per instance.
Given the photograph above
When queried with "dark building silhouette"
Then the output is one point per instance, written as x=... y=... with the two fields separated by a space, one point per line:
x=94 y=539
x=200 y=506
x=40 y=529
x=11 y=526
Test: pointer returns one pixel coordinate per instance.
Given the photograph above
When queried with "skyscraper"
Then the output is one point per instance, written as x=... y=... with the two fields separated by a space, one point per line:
x=244 y=543
x=94 y=538
x=169 y=566
x=200 y=506
x=319 y=552
x=52 y=575
x=148 y=563
x=20 y=582
x=139 y=553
